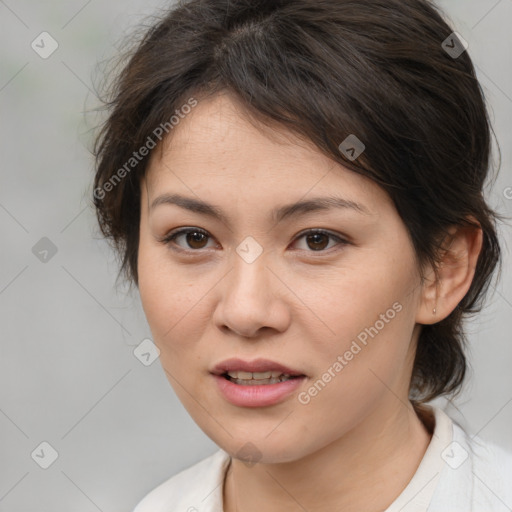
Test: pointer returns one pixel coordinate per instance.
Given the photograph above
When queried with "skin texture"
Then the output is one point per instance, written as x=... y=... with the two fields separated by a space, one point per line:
x=295 y=305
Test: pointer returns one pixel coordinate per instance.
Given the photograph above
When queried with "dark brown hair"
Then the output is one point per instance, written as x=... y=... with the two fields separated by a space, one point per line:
x=324 y=69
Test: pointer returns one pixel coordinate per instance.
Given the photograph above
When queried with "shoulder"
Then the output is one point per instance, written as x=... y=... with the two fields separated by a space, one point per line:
x=196 y=488
x=477 y=475
x=492 y=475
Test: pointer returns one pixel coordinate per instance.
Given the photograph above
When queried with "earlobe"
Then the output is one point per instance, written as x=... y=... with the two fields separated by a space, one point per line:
x=458 y=257
x=427 y=309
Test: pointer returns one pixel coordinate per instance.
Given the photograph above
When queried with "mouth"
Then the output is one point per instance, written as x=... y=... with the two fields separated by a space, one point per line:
x=258 y=378
x=257 y=383
x=256 y=372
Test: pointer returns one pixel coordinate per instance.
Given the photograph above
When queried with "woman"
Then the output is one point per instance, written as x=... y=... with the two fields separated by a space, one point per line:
x=295 y=187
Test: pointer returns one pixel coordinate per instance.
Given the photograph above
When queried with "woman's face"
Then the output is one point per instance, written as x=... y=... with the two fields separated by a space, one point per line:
x=250 y=281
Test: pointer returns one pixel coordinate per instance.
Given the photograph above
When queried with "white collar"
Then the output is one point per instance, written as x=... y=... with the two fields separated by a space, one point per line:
x=200 y=488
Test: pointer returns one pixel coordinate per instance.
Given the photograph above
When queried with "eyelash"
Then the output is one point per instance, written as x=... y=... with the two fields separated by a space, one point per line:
x=169 y=239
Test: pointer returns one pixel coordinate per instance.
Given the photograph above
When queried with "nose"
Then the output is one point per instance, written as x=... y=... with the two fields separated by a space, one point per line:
x=252 y=300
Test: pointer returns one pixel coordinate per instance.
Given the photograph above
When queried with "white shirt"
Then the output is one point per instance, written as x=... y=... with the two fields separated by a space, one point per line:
x=457 y=474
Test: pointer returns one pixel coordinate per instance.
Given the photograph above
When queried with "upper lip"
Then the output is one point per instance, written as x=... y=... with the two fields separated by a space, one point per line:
x=256 y=365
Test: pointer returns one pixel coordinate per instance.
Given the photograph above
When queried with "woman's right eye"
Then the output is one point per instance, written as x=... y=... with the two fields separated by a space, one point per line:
x=193 y=239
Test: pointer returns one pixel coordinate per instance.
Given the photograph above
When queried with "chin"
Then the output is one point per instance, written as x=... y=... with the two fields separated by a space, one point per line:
x=255 y=447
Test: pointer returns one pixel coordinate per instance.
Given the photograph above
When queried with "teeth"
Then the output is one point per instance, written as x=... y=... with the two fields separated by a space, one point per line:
x=261 y=375
x=256 y=375
x=257 y=378
x=240 y=375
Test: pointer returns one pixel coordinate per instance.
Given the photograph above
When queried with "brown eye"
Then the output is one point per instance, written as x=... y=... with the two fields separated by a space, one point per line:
x=196 y=240
x=190 y=239
x=319 y=241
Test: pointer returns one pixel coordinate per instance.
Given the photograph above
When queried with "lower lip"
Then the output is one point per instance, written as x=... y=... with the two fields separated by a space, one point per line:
x=257 y=396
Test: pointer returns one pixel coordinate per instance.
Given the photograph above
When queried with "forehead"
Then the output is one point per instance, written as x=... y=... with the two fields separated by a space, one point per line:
x=217 y=149
x=219 y=128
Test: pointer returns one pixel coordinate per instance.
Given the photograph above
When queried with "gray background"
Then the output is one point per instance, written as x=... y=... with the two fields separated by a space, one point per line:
x=68 y=374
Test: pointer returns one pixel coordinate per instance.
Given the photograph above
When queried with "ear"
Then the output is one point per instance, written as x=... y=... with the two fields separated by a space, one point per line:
x=459 y=253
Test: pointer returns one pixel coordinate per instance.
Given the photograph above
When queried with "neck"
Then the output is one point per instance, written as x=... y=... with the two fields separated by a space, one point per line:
x=379 y=454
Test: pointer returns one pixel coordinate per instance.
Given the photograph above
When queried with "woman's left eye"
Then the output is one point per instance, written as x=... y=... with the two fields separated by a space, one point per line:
x=195 y=239
x=318 y=240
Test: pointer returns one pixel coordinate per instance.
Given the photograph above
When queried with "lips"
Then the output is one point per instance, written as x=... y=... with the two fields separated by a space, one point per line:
x=247 y=383
x=260 y=367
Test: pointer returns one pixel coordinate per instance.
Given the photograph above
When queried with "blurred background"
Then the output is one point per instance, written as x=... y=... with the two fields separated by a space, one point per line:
x=85 y=424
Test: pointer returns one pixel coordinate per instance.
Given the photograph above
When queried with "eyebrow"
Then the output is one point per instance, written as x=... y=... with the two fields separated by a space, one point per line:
x=277 y=215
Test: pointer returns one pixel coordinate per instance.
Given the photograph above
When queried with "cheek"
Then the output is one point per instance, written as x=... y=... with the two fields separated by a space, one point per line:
x=170 y=298
x=355 y=378
x=358 y=303
x=369 y=324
